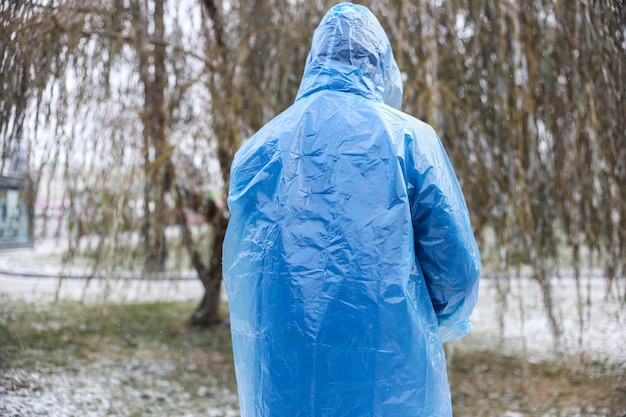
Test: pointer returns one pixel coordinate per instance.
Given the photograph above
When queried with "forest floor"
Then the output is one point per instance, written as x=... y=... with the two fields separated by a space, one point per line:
x=70 y=352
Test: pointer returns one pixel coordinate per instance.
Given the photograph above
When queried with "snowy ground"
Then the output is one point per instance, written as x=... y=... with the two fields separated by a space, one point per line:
x=597 y=332
x=30 y=272
x=130 y=290
x=593 y=326
x=93 y=391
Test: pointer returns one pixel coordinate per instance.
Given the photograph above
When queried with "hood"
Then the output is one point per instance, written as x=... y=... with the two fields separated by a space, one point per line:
x=351 y=52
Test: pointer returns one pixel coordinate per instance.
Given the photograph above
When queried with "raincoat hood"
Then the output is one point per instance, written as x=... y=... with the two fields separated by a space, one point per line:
x=351 y=52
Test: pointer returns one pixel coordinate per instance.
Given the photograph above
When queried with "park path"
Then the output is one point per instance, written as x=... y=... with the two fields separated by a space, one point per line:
x=34 y=272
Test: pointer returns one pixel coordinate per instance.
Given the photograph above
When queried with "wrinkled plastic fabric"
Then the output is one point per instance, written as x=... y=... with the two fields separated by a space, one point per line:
x=349 y=256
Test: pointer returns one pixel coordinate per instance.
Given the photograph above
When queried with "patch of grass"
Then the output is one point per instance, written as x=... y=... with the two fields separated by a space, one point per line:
x=70 y=358
x=72 y=327
x=489 y=384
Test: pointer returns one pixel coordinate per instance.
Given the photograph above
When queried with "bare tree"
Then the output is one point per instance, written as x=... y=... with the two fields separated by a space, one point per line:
x=84 y=67
x=152 y=99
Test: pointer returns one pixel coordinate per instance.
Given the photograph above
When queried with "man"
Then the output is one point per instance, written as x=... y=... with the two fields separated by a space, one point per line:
x=349 y=256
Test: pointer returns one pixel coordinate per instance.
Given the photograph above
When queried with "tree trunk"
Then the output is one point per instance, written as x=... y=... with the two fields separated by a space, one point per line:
x=155 y=147
x=210 y=274
x=207 y=312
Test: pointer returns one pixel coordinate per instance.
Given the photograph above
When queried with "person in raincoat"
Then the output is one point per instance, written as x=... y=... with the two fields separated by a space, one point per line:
x=349 y=257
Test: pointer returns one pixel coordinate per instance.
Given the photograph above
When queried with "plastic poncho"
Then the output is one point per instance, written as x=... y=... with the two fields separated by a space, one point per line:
x=349 y=255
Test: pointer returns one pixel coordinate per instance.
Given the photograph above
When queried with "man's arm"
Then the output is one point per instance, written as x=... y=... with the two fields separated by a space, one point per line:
x=444 y=241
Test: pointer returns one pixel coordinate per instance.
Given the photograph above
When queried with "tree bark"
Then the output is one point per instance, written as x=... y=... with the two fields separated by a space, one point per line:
x=207 y=312
x=156 y=150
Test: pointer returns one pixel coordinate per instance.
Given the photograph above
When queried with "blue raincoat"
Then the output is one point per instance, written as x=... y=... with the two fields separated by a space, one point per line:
x=349 y=256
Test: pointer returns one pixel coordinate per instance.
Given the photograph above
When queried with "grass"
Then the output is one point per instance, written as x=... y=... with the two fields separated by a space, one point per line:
x=69 y=358
x=491 y=384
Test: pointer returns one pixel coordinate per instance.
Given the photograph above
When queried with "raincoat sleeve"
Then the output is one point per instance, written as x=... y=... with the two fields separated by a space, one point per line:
x=445 y=246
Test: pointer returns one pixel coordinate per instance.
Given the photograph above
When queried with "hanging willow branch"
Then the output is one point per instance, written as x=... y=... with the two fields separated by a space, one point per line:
x=527 y=96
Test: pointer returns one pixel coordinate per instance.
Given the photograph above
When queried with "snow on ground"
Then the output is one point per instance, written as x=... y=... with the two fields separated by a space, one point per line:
x=94 y=391
x=129 y=290
x=596 y=331
x=593 y=324
x=34 y=273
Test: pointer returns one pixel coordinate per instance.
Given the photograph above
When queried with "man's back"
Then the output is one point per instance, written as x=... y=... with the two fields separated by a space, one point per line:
x=333 y=281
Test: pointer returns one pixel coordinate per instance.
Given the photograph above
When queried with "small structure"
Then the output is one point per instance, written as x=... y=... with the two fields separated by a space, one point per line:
x=15 y=222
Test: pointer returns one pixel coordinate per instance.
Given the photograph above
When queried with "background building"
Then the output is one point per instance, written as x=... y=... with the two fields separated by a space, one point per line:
x=15 y=221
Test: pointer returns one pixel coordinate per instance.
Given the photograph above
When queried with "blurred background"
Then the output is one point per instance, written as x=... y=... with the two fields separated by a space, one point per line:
x=119 y=120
